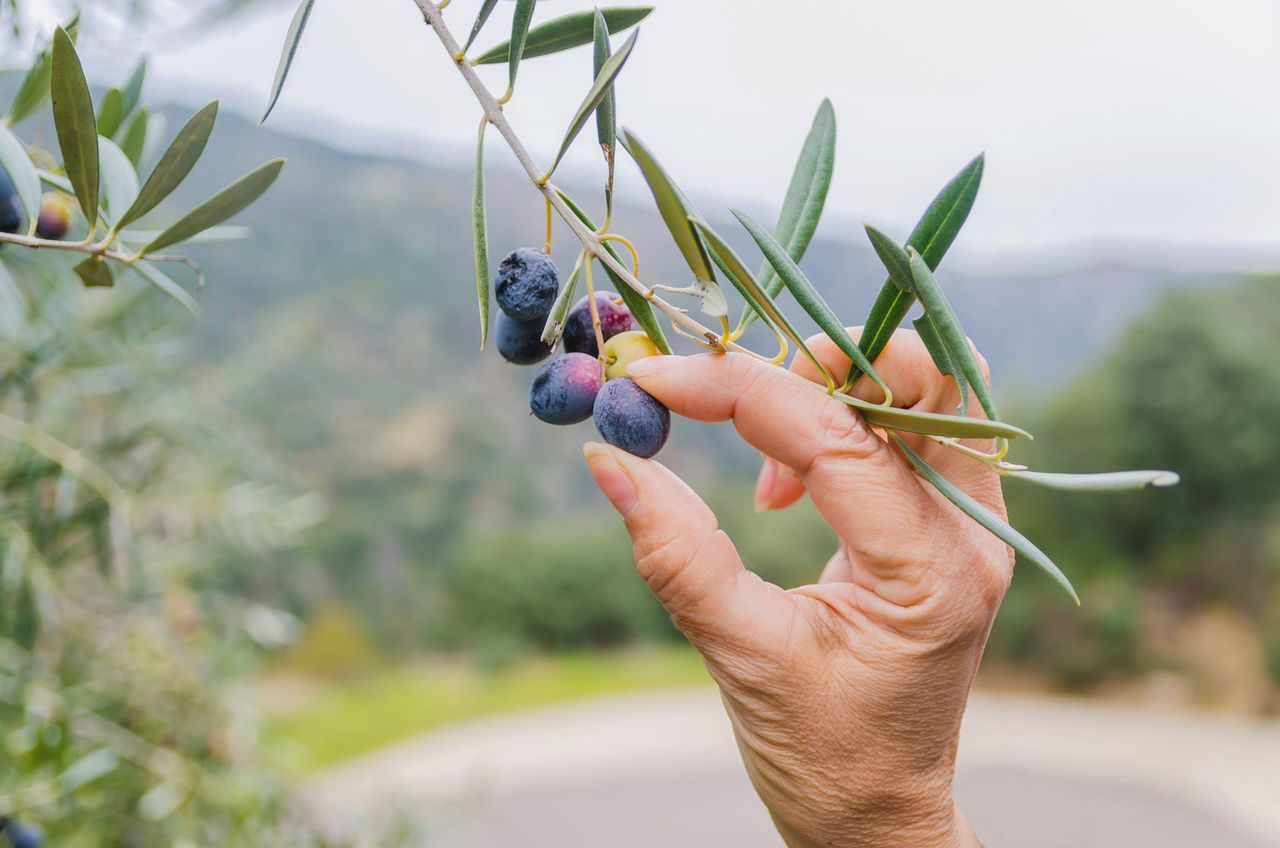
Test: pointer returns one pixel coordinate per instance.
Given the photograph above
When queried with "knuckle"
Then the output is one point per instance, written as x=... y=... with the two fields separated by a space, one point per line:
x=842 y=434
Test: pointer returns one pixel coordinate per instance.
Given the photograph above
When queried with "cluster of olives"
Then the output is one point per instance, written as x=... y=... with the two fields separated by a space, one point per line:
x=55 y=212
x=575 y=386
x=13 y=834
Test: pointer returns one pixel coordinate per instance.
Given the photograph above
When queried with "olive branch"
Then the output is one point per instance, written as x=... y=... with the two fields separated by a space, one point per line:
x=101 y=153
x=910 y=266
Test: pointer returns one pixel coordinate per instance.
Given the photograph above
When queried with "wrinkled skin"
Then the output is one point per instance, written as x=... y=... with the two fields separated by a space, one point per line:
x=527 y=284
x=845 y=696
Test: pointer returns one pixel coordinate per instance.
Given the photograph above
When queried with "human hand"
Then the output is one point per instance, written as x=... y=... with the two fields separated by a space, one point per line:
x=845 y=696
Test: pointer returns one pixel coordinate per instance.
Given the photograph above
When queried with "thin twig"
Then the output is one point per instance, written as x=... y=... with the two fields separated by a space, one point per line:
x=591 y=241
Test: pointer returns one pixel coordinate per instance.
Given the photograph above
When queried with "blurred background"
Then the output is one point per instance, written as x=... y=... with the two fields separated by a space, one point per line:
x=370 y=599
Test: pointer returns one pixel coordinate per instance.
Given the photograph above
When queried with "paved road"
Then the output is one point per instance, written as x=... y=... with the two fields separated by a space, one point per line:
x=661 y=770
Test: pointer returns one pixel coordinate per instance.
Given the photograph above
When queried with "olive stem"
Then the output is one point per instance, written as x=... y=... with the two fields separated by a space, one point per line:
x=87 y=247
x=591 y=241
x=595 y=319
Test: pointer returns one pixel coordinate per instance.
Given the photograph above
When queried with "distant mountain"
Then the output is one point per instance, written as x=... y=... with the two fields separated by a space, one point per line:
x=346 y=326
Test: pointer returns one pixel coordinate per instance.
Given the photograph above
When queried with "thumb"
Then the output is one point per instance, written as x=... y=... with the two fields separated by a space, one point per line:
x=690 y=565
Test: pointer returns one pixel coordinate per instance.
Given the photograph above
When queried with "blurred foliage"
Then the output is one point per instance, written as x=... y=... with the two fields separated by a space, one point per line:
x=122 y=630
x=1193 y=386
x=137 y=511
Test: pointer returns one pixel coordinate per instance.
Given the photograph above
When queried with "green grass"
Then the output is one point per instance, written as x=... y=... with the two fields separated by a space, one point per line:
x=344 y=720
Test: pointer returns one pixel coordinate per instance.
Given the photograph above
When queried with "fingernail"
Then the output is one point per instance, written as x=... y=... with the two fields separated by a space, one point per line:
x=651 y=366
x=764 y=485
x=609 y=476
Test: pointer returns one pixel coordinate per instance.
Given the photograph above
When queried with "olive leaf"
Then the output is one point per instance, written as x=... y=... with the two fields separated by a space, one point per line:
x=132 y=89
x=226 y=203
x=554 y=327
x=640 y=308
x=938 y=353
x=932 y=237
x=481 y=19
x=987 y=519
x=480 y=239
x=95 y=273
x=290 y=49
x=26 y=180
x=944 y=320
x=607 y=111
x=676 y=212
x=599 y=90
x=76 y=125
x=519 y=35
x=805 y=200
x=932 y=423
x=33 y=90
x=111 y=113
x=134 y=140
x=119 y=180
x=1117 y=481
x=565 y=33
x=747 y=286
x=164 y=283
x=898 y=264
x=807 y=296
x=174 y=166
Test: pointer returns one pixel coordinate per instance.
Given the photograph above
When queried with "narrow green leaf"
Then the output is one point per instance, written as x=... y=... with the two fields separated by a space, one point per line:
x=894 y=258
x=481 y=19
x=132 y=88
x=932 y=237
x=897 y=262
x=751 y=290
x=290 y=49
x=15 y=161
x=640 y=308
x=988 y=519
x=565 y=33
x=941 y=358
x=1118 y=481
x=76 y=124
x=165 y=283
x=156 y=126
x=213 y=235
x=119 y=180
x=519 y=36
x=607 y=111
x=226 y=203
x=33 y=90
x=599 y=90
x=95 y=273
x=174 y=166
x=808 y=297
x=676 y=212
x=943 y=317
x=91 y=767
x=134 y=141
x=932 y=423
x=554 y=327
x=480 y=239
x=111 y=113
x=805 y=200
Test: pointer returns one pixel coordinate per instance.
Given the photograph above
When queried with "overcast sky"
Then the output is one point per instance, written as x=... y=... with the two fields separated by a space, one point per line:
x=1112 y=119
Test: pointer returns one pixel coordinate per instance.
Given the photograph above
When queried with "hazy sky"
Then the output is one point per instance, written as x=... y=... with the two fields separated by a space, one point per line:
x=1152 y=119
